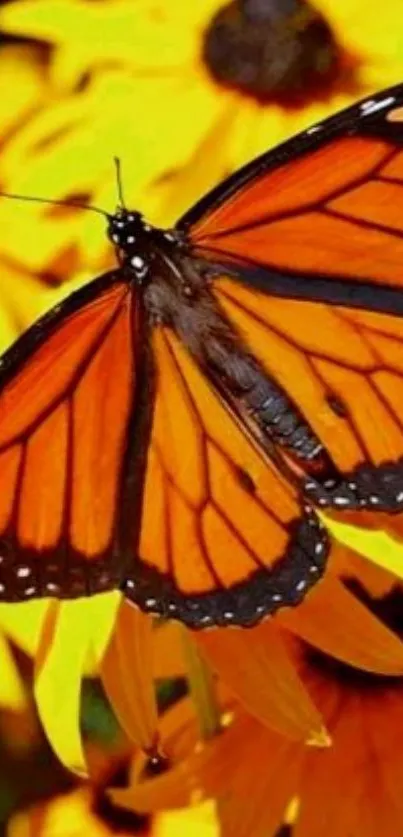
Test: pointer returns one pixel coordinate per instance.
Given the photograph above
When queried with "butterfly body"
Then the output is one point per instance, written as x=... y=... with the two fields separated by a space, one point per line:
x=172 y=428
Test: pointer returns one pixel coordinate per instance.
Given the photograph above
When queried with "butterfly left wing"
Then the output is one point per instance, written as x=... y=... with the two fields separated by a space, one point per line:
x=224 y=539
x=67 y=390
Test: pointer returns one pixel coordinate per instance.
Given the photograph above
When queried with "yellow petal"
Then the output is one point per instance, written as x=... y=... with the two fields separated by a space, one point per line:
x=12 y=691
x=127 y=675
x=23 y=623
x=377 y=546
x=27 y=89
x=197 y=821
x=255 y=665
x=69 y=636
x=68 y=815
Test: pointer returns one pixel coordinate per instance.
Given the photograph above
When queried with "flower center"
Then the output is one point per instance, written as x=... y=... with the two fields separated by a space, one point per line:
x=272 y=49
x=389 y=610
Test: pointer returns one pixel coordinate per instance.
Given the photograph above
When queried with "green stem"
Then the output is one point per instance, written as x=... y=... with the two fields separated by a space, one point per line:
x=202 y=687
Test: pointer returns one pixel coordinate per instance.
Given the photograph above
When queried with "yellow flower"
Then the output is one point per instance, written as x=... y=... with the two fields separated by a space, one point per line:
x=68 y=815
x=136 y=80
x=351 y=786
x=133 y=80
x=74 y=814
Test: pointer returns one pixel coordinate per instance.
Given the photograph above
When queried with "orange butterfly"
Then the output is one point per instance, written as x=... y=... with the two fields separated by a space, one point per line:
x=171 y=428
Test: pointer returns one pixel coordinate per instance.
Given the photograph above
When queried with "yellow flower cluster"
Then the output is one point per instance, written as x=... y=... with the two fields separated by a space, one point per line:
x=82 y=83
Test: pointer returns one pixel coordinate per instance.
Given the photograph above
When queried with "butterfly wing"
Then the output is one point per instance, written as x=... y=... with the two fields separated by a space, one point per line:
x=120 y=467
x=66 y=397
x=306 y=249
x=224 y=538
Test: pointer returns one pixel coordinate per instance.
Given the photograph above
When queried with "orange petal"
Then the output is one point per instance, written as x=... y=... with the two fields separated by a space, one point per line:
x=384 y=714
x=255 y=665
x=256 y=800
x=202 y=772
x=331 y=779
x=168 y=651
x=334 y=620
x=127 y=675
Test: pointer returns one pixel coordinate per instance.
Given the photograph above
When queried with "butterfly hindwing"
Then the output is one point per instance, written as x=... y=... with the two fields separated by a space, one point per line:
x=223 y=539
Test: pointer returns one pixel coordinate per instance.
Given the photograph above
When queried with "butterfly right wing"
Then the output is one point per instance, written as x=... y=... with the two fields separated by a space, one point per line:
x=66 y=396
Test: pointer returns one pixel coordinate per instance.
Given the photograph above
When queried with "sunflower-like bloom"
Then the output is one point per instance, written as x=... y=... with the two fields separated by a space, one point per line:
x=160 y=86
x=79 y=813
x=145 y=82
x=254 y=773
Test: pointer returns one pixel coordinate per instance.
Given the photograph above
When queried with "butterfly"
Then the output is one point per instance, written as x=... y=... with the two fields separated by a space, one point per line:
x=173 y=428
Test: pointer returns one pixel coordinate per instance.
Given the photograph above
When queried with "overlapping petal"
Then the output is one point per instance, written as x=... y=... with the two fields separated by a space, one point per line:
x=255 y=665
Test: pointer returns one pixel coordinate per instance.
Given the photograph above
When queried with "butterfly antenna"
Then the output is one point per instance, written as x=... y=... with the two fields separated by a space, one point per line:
x=119 y=181
x=55 y=202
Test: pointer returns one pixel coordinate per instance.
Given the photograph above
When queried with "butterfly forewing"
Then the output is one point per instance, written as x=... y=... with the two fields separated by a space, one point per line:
x=65 y=405
x=306 y=254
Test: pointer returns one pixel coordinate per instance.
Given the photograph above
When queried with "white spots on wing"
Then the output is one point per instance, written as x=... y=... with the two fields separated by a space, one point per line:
x=341 y=501
x=314 y=129
x=373 y=105
x=52 y=588
x=131 y=239
x=23 y=572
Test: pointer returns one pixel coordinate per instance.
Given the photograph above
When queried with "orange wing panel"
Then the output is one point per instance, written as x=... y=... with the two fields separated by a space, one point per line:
x=101 y=406
x=317 y=352
x=232 y=530
x=10 y=462
x=295 y=185
x=56 y=362
x=317 y=243
x=44 y=483
x=64 y=413
x=334 y=212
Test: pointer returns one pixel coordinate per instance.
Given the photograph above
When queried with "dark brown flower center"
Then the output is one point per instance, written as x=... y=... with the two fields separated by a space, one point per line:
x=389 y=610
x=272 y=49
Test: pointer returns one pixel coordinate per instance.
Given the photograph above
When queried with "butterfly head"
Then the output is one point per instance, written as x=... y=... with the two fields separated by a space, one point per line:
x=131 y=235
